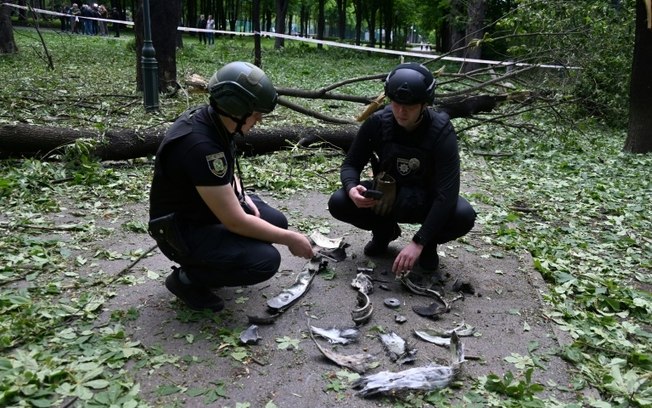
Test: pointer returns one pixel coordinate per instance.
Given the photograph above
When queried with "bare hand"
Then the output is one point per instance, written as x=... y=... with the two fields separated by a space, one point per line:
x=252 y=206
x=360 y=201
x=405 y=260
x=301 y=246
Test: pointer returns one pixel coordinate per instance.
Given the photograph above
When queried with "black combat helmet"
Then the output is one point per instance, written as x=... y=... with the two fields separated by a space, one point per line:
x=409 y=84
x=239 y=89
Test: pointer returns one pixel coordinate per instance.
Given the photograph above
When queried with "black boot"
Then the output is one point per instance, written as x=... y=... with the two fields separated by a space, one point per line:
x=429 y=260
x=380 y=241
x=194 y=296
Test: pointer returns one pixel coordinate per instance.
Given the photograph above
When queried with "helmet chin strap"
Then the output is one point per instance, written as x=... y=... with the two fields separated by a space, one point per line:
x=239 y=121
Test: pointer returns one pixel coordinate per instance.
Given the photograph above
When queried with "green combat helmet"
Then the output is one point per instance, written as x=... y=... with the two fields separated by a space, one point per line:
x=239 y=89
x=409 y=84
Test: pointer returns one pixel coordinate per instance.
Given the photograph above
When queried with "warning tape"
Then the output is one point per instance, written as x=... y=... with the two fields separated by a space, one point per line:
x=322 y=42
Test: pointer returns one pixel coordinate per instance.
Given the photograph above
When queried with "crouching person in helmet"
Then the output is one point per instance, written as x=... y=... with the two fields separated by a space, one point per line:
x=200 y=215
x=414 y=156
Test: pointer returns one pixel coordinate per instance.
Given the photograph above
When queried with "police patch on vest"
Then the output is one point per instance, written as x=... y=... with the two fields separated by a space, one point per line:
x=217 y=164
x=405 y=166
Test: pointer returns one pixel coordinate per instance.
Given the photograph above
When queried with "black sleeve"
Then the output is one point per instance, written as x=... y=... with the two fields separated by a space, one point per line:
x=446 y=183
x=359 y=153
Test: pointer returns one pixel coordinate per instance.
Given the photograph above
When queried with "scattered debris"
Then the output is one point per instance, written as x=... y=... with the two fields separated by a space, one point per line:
x=397 y=348
x=419 y=378
x=400 y=319
x=337 y=336
x=250 y=335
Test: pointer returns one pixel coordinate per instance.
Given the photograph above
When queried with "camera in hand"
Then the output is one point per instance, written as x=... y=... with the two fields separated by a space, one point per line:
x=375 y=194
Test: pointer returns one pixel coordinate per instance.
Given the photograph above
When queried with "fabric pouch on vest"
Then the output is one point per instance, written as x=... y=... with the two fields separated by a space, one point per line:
x=167 y=235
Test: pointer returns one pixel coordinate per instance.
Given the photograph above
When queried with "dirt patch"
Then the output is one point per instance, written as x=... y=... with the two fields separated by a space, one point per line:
x=506 y=311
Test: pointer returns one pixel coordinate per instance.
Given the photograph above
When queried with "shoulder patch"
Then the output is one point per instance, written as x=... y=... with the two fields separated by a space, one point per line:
x=217 y=164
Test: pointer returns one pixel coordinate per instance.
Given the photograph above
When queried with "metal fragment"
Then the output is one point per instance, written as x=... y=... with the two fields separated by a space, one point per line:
x=250 y=335
x=333 y=249
x=363 y=283
x=337 y=336
x=433 y=310
x=301 y=285
x=335 y=255
x=358 y=363
x=264 y=320
x=400 y=319
x=443 y=337
x=463 y=330
x=322 y=241
x=419 y=378
x=439 y=341
x=392 y=303
x=362 y=313
x=425 y=292
x=397 y=348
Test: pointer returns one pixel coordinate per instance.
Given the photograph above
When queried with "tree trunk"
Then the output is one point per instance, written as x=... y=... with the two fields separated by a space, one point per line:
x=341 y=18
x=476 y=11
x=255 y=20
x=321 y=21
x=7 y=41
x=456 y=30
x=281 y=13
x=357 y=5
x=639 y=135
x=166 y=14
x=21 y=140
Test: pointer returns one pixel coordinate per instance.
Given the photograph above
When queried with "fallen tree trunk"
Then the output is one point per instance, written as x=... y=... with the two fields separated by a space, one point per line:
x=22 y=140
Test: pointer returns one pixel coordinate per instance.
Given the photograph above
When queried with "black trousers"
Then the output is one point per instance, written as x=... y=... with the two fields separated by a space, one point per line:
x=217 y=257
x=411 y=207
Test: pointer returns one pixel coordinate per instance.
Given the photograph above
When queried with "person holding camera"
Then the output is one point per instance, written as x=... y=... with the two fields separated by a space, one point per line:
x=415 y=161
x=200 y=214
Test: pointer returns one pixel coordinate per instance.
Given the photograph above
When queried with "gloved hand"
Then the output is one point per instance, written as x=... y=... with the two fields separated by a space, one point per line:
x=386 y=184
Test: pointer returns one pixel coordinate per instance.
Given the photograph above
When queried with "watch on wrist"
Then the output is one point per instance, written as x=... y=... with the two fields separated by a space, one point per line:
x=418 y=239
